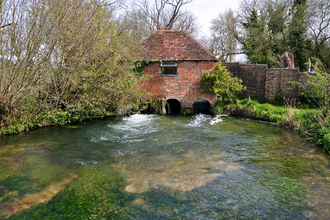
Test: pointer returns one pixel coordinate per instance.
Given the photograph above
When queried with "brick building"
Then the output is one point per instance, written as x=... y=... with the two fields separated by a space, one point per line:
x=180 y=60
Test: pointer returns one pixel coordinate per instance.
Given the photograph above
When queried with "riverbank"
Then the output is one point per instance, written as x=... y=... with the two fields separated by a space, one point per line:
x=52 y=118
x=308 y=122
x=32 y=118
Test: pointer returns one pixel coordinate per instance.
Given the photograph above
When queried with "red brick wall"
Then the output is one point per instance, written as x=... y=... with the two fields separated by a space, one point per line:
x=185 y=86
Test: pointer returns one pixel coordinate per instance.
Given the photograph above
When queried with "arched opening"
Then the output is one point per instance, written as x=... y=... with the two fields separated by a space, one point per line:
x=173 y=107
x=201 y=106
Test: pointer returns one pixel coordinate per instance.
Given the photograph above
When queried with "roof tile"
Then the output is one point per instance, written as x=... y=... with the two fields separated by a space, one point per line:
x=174 y=45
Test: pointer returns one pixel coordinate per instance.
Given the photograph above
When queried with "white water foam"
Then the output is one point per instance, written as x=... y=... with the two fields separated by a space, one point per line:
x=198 y=120
x=129 y=129
x=215 y=120
x=135 y=122
x=85 y=163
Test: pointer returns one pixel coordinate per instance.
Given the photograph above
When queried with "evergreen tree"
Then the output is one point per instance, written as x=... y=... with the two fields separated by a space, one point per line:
x=255 y=43
x=297 y=39
x=277 y=13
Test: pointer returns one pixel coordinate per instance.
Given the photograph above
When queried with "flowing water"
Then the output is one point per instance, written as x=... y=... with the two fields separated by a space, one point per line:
x=163 y=167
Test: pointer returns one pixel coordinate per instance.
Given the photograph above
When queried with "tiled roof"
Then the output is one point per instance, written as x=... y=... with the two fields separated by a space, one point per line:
x=174 y=45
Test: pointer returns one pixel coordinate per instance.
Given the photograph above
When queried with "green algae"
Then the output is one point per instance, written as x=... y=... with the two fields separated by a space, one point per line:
x=31 y=174
x=96 y=194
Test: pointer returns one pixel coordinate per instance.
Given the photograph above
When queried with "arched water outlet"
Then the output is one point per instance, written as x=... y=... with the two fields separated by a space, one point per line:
x=173 y=107
x=201 y=106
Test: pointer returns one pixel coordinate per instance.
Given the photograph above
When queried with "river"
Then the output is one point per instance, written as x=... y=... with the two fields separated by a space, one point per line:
x=163 y=167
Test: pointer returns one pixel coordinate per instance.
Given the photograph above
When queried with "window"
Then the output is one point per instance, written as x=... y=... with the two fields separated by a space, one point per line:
x=169 y=68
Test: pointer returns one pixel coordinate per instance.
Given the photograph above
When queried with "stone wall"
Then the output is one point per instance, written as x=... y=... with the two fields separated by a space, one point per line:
x=254 y=78
x=233 y=68
x=277 y=83
x=184 y=87
x=262 y=82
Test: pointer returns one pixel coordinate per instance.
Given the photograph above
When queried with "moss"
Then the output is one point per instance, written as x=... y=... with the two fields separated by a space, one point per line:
x=157 y=106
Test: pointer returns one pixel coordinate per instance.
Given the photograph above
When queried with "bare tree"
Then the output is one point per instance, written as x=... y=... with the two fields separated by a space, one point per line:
x=188 y=23
x=64 y=55
x=134 y=21
x=169 y=15
x=223 y=41
x=2 y=25
x=111 y=5
x=319 y=23
x=247 y=6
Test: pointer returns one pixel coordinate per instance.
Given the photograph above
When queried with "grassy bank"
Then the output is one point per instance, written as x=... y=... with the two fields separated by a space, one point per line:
x=310 y=123
x=53 y=117
x=31 y=117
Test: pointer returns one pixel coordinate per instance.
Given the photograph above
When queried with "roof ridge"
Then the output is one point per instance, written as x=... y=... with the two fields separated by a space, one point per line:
x=201 y=46
x=146 y=40
x=170 y=31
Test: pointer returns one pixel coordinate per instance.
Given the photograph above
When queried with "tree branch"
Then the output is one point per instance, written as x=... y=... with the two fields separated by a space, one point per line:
x=3 y=26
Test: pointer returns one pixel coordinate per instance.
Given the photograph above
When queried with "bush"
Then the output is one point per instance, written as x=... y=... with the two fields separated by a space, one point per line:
x=326 y=141
x=221 y=83
x=216 y=110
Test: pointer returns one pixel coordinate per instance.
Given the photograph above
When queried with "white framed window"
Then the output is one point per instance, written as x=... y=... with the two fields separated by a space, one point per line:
x=169 y=68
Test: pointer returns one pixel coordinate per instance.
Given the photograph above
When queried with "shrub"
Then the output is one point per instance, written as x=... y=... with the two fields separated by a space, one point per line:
x=326 y=141
x=221 y=83
x=216 y=110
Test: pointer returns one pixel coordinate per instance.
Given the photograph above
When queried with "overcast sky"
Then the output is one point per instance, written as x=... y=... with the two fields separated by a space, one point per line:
x=206 y=10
